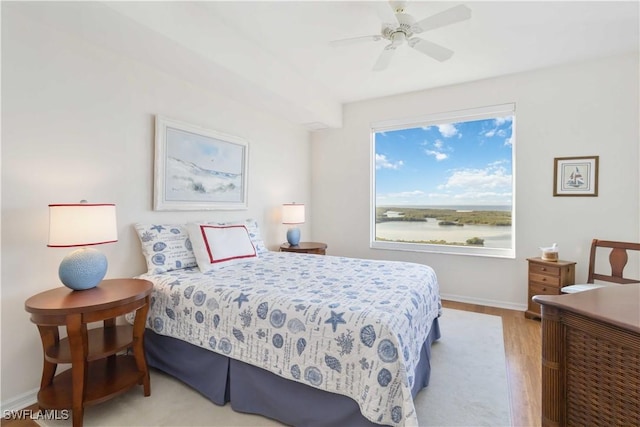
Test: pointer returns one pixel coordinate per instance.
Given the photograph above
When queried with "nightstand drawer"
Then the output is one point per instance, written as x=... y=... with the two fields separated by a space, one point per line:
x=544 y=280
x=544 y=269
x=537 y=289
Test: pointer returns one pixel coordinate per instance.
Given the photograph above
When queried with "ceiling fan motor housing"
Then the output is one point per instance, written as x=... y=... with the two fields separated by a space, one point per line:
x=402 y=32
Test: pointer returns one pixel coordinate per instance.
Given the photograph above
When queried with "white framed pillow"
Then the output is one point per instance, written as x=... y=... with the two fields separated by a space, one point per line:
x=254 y=232
x=216 y=246
x=165 y=247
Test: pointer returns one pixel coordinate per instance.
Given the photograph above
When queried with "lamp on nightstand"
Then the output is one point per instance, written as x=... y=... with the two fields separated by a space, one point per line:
x=293 y=213
x=82 y=224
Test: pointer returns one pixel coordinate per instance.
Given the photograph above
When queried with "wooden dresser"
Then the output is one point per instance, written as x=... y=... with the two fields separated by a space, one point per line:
x=591 y=357
x=547 y=278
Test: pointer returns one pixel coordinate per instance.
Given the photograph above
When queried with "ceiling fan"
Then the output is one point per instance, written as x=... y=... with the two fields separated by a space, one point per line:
x=399 y=27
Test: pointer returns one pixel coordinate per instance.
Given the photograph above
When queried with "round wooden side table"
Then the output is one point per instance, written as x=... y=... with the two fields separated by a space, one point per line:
x=305 y=248
x=99 y=370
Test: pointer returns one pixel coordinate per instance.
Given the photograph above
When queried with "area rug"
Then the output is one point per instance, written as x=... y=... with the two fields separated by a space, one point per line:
x=468 y=387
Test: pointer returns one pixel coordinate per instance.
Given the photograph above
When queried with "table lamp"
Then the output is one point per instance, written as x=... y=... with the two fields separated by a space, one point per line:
x=293 y=213
x=82 y=224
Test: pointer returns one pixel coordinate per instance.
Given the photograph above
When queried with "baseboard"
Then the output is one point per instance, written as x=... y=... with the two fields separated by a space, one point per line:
x=486 y=302
x=20 y=402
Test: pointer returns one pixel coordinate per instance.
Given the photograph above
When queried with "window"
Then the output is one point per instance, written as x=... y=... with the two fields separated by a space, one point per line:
x=444 y=183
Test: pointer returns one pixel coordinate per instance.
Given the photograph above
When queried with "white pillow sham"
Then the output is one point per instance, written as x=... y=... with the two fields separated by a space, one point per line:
x=216 y=246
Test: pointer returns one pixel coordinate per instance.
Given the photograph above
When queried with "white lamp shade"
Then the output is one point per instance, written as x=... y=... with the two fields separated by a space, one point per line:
x=292 y=213
x=82 y=224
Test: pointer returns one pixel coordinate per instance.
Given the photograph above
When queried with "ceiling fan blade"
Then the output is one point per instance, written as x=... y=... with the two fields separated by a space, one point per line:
x=449 y=16
x=433 y=50
x=387 y=14
x=385 y=58
x=354 y=40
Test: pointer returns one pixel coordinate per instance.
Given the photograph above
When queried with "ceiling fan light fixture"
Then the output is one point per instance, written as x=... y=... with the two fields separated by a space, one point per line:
x=398 y=38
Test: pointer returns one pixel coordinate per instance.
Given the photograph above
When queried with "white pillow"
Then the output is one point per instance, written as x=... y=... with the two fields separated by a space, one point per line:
x=165 y=247
x=216 y=246
x=254 y=232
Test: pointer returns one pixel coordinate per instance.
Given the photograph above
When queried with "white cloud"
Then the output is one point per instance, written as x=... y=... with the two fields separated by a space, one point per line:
x=447 y=130
x=383 y=163
x=439 y=155
x=472 y=181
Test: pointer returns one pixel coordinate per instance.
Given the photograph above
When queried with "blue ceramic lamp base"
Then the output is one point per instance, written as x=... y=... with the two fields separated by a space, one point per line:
x=293 y=236
x=83 y=269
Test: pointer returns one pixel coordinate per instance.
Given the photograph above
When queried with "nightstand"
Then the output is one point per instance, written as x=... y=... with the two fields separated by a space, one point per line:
x=99 y=370
x=547 y=278
x=305 y=248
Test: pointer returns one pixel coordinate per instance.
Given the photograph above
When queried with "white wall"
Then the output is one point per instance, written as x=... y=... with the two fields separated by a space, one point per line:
x=78 y=123
x=583 y=109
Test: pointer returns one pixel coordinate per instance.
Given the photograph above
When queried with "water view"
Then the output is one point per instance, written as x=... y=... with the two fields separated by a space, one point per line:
x=447 y=224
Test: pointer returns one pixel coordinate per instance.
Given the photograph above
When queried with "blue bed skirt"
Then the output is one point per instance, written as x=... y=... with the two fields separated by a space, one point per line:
x=256 y=391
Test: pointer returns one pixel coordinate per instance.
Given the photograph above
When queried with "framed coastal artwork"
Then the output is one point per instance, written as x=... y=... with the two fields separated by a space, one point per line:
x=575 y=176
x=198 y=169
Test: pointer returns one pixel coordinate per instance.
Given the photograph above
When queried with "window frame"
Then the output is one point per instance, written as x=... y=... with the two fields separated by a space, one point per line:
x=471 y=114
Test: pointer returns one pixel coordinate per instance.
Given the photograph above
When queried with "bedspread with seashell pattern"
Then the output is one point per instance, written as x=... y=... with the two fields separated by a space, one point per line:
x=345 y=325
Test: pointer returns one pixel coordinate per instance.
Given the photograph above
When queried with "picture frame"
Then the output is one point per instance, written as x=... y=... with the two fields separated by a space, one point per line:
x=197 y=168
x=575 y=176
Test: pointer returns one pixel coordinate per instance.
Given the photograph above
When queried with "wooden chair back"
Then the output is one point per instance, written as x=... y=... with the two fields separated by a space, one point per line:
x=618 y=258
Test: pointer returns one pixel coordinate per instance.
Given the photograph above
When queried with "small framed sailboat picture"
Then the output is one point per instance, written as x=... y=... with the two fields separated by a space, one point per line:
x=575 y=176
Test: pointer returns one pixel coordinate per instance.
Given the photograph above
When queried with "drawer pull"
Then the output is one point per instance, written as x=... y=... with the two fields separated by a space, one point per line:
x=544 y=289
x=543 y=269
x=544 y=279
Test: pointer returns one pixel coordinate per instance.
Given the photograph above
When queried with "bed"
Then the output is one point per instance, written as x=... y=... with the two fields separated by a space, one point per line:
x=303 y=339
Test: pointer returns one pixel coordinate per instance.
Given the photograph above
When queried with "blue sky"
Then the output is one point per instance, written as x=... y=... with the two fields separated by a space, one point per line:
x=465 y=163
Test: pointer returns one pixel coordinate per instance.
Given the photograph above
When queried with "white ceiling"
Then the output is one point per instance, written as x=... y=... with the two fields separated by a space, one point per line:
x=275 y=55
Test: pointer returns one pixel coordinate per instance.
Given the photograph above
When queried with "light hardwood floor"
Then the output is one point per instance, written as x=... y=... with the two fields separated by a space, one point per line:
x=522 y=342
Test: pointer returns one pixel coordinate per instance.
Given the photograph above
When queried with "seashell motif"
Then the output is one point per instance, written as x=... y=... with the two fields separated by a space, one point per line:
x=333 y=363
x=188 y=291
x=159 y=246
x=238 y=334
x=262 y=310
x=368 y=335
x=212 y=342
x=387 y=351
x=170 y=313
x=225 y=346
x=384 y=377
x=313 y=375
x=295 y=326
x=295 y=371
x=158 y=259
x=199 y=317
x=277 y=318
x=216 y=320
x=153 y=302
x=301 y=345
x=212 y=304
x=178 y=264
x=277 y=341
x=199 y=297
x=188 y=245
x=396 y=414
x=158 y=324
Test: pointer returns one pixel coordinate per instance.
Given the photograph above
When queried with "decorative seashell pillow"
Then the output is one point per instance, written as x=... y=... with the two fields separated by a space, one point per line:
x=166 y=247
